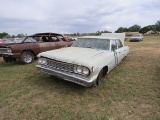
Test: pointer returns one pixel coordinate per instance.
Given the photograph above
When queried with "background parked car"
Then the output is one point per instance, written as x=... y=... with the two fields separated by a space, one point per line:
x=28 y=49
x=2 y=41
x=136 y=37
x=13 y=40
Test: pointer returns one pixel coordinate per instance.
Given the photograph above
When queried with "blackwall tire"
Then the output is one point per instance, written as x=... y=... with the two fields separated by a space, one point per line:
x=6 y=59
x=99 y=78
x=26 y=58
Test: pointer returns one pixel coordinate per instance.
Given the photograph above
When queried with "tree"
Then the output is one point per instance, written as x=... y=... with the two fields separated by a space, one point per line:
x=121 y=29
x=134 y=28
x=2 y=35
x=13 y=36
x=105 y=31
x=7 y=36
x=157 y=26
x=21 y=35
x=147 y=28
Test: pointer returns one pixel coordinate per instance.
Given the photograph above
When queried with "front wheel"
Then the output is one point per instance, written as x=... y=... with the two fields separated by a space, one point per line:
x=99 y=78
x=27 y=58
x=9 y=59
x=6 y=59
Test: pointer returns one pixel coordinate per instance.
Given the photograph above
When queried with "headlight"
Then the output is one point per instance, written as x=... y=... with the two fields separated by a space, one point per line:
x=9 y=50
x=42 y=61
x=85 y=71
x=81 y=70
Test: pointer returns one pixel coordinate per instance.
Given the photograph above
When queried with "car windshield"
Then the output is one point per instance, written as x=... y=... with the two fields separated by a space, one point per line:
x=29 y=40
x=94 y=43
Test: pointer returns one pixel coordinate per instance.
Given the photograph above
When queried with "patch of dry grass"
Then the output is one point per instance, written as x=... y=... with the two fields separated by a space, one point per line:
x=130 y=92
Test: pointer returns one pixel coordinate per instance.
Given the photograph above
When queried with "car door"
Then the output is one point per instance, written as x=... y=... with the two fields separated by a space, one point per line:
x=62 y=42
x=113 y=49
x=46 y=44
x=119 y=51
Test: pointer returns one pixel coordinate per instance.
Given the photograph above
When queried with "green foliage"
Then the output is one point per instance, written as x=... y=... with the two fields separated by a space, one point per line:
x=134 y=28
x=137 y=28
x=7 y=36
x=97 y=33
x=20 y=35
x=121 y=29
x=147 y=28
x=4 y=35
x=157 y=26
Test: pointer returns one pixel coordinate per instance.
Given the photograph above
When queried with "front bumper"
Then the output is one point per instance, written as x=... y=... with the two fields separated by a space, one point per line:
x=15 y=55
x=68 y=76
x=134 y=40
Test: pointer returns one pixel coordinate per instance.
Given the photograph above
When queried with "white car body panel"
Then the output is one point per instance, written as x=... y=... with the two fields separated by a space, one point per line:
x=93 y=59
x=136 y=37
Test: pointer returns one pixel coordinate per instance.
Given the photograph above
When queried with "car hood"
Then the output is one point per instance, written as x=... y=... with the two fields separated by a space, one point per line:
x=135 y=37
x=8 y=44
x=75 y=55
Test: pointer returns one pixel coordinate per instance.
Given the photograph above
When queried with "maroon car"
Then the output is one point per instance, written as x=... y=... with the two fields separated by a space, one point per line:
x=27 y=50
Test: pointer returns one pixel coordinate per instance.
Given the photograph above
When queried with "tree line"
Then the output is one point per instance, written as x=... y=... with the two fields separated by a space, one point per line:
x=137 y=28
x=97 y=33
x=134 y=28
x=6 y=35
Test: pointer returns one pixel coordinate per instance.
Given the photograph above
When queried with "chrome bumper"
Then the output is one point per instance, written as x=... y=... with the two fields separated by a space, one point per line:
x=135 y=40
x=9 y=54
x=67 y=76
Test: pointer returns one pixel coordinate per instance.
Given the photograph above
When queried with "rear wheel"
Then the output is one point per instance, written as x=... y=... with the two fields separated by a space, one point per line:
x=26 y=58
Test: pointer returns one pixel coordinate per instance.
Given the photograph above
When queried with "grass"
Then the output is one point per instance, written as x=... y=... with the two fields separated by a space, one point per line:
x=131 y=91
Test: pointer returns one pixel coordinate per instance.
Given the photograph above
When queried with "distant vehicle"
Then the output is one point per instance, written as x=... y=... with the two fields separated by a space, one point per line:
x=10 y=40
x=26 y=50
x=2 y=41
x=86 y=61
x=136 y=37
x=14 y=40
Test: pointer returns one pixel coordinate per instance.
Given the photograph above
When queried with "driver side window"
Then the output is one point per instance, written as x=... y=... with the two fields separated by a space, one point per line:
x=119 y=44
x=114 y=45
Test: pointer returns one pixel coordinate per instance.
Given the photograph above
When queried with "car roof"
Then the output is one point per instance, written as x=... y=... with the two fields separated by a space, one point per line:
x=137 y=34
x=100 y=37
x=46 y=34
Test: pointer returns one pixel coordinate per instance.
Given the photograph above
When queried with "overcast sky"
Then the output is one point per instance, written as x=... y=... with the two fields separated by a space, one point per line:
x=72 y=16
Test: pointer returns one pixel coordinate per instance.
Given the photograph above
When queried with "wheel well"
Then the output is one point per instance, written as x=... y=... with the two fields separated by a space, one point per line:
x=29 y=51
x=105 y=70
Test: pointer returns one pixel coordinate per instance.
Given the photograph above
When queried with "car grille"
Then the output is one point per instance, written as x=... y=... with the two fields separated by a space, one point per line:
x=60 y=65
x=3 y=50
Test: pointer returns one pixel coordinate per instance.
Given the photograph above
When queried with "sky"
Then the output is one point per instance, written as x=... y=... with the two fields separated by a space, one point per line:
x=75 y=16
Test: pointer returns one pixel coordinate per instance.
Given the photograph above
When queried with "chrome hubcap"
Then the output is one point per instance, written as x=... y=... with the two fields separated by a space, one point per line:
x=27 y=58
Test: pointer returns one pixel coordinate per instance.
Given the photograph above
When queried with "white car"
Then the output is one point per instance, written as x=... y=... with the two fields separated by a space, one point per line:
x=136 y=37
x=86 y=61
